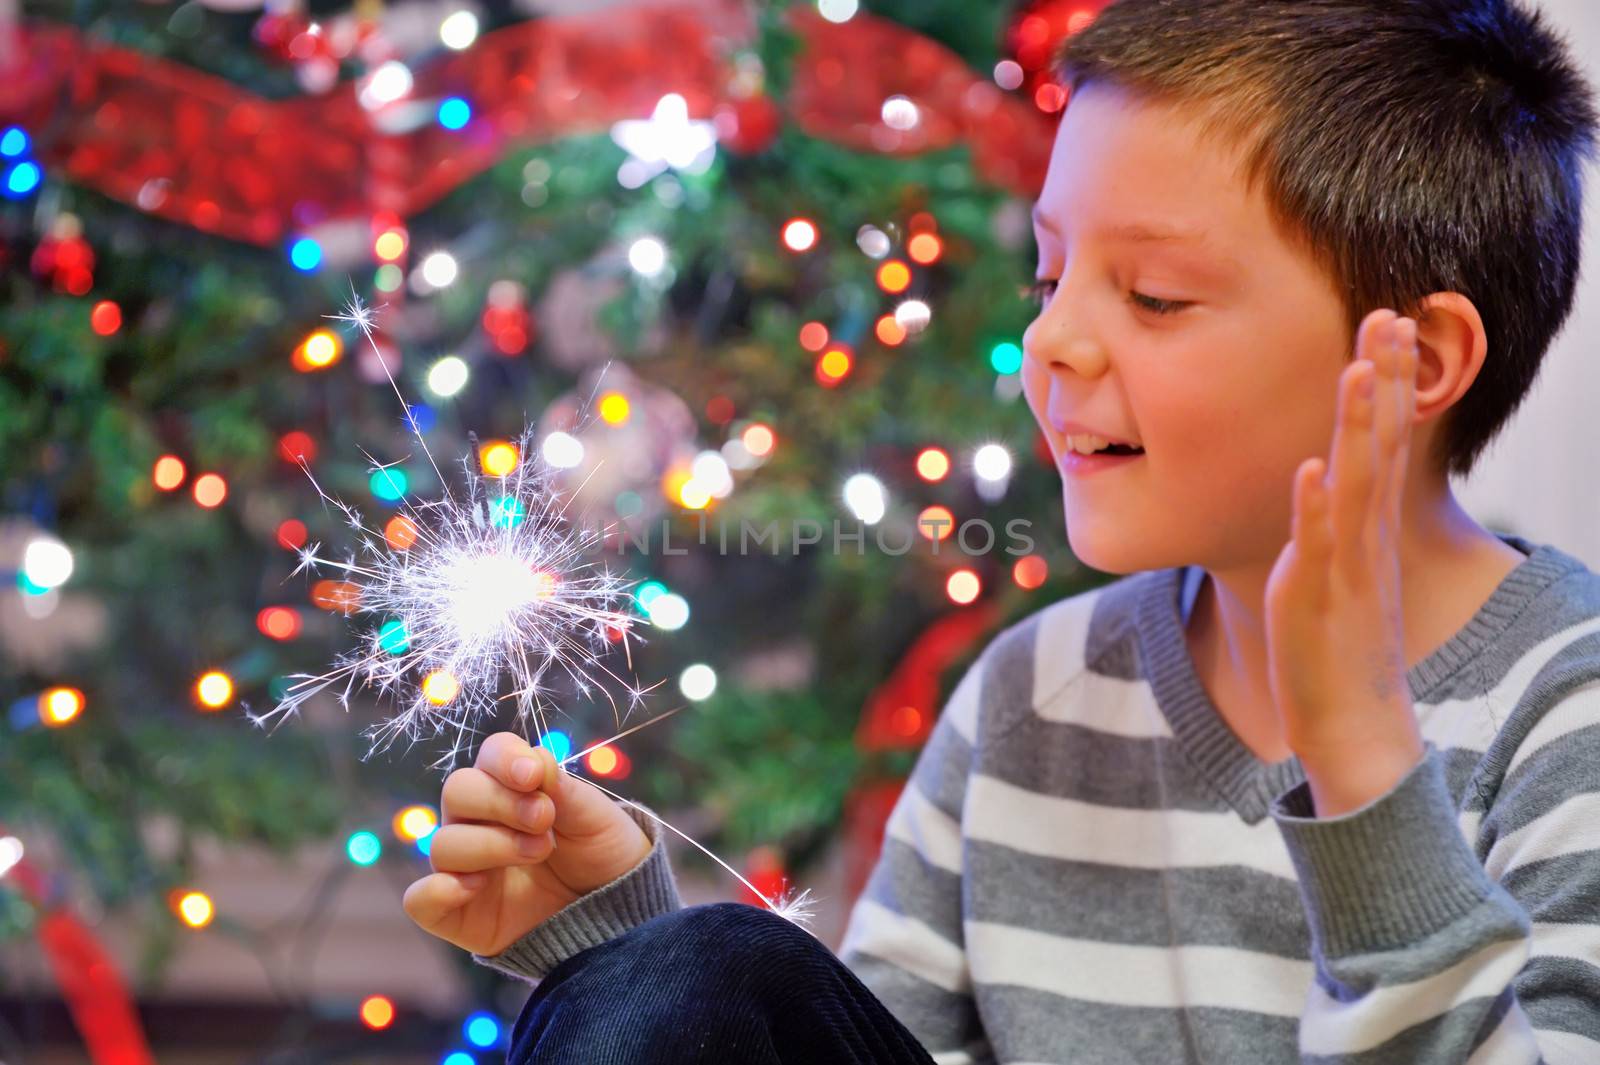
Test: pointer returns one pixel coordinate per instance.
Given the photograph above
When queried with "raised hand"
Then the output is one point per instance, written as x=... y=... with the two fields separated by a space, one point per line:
x=1334 y=623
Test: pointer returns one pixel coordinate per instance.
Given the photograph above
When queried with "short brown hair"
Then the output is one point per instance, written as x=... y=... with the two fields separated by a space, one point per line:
x=1417 y=146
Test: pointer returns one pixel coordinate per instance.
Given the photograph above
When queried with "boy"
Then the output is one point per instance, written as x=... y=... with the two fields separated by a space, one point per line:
x=1238 y=806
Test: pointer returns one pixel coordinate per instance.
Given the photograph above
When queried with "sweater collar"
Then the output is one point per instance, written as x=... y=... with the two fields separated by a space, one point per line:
x=1241 y=779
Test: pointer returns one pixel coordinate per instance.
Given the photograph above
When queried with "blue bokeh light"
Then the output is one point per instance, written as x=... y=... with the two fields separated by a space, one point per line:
x=482 y=1030
x=23 y=179
x=557 y=743
x=459 y=1057
x=454 y=113
x=425 y=844
x=13 y=143
x=363 y=848
x=420 y=418
x=305 y=254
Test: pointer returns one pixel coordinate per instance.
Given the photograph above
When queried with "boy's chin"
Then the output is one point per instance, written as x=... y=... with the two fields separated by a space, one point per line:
x=1107 y=547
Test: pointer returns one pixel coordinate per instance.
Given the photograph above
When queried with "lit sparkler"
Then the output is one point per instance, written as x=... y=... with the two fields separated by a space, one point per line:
x=489 y=583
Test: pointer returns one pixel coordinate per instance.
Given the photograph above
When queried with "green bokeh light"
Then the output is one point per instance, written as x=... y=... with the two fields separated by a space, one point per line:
x=1005 y=357
x=389 y=484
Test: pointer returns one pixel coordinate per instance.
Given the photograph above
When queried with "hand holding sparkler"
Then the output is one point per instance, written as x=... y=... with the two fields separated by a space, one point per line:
x=521 y=839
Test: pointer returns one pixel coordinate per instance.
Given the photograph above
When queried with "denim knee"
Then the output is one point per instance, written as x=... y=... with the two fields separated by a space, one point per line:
x=658 y=974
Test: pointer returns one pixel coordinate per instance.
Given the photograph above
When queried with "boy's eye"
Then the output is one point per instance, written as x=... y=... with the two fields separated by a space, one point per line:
x=1040 y=292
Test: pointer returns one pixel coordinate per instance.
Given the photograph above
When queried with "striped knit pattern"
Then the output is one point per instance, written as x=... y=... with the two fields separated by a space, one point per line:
x=1088 y=867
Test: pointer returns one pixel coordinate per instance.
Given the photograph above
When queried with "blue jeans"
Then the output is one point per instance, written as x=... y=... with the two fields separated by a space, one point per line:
x=725 y=984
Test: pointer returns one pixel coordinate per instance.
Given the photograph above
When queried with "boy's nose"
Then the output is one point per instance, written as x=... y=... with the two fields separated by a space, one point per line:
x=1057 y=347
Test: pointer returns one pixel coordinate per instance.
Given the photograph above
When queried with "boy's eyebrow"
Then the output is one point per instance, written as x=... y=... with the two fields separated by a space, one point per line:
x=1132 y=231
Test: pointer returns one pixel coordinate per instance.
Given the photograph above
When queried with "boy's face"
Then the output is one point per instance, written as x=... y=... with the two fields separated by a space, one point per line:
x=1228 y=385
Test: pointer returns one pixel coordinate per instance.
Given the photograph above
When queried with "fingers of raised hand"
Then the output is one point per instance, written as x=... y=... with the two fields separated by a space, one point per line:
x=469 y=848
x=512 y=761
x=431 y=899
x=472 y=795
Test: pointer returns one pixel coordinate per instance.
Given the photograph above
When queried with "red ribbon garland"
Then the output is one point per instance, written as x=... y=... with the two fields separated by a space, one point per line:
x=198 y=150
x=96 y=997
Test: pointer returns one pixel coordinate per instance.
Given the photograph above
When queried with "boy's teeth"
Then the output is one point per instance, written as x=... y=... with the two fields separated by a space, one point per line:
x=1086 y=444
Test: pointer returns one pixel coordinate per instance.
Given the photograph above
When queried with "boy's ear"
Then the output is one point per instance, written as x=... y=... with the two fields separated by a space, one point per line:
x=1451 y=345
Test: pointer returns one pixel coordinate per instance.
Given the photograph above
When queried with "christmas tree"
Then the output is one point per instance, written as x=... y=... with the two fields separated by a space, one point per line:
x=732 y=266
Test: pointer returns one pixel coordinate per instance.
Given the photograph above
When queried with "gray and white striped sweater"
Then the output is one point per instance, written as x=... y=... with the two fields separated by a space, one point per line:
x=1088 y=867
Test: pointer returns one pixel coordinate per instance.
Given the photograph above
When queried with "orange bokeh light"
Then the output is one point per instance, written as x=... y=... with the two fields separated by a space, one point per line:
x=933 y=464
x=498 y=458
x=168 y=473
x=400 y=532
x=833 y=366
x=1030 y=572
x=377 y=1012
x=440 y=687
x=58 y=706
x=936 y=522
x=925 y=248
x=210 y=490
x=213 y=689
x=890 y=332
x=894 y=276
x=279 y=622
x=813 y=336
x=342 y=596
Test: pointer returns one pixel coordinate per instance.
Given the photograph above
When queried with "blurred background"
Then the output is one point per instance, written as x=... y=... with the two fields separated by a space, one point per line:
x=723 y=261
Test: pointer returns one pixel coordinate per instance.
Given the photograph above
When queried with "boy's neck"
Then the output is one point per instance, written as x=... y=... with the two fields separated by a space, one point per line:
x=1449 y=566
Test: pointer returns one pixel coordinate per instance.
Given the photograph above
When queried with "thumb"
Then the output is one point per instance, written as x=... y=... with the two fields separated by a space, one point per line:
x=581 y=808
x=432 y=900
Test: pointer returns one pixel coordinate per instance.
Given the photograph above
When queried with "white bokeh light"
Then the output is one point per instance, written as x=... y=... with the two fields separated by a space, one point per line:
x=864 y=494
x=459 y=30
x=562 y=450
x=647 y=256
x=698 y=682
x=439 y=269
x=46 y=563
x=838 y=10
x=900 y=113
x=447 y=376
x=668 y=611
x=385 y=85
x=992 y=462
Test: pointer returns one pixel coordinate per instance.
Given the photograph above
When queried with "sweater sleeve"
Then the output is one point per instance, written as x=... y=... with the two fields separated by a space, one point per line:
x=904 y=938
x=1425 y=954
x=647 y=890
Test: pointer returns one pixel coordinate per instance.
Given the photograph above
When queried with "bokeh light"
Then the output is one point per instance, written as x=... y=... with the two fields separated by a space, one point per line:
x=195 y=909
x=377 y=1012
x=963 y=586
x=389 y=484
x=168 y=473
x=698 y=682
x=799 y=234
x=668 y=611
x=1030 y=572
x=343 y=596
x=296 y=446
x=305 y=254
x=866 y=497
x=889 y=332
x=454 y=112
x=279 y=622
x=47 y=562
x=447 y=376
x=400 y=532
x=498 y=458
x=390 y=245
x=936 y=523
x=393 y=637
x=105 y=318
x=214 y=689
x=458 y=30
x=440 y=687
x=58 y=706
x=411 y=823
x=614 y=408
x=933 y=464
x=894 y=276
x=363 y=847
x=481 y=1030
x=834 y=366
x=210 y=489
x=759 y=439
x=291 y=534
x=925 y=248
x=813 y=336
x=321 y=349
x=992 y=462
x=1005 y=357
x=557 y=743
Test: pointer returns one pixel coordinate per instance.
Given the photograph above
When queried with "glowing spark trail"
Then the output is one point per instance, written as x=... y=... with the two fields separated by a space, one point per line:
x=489 y=588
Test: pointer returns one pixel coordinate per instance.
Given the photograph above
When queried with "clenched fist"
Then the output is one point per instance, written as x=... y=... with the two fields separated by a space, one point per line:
x=520 y=838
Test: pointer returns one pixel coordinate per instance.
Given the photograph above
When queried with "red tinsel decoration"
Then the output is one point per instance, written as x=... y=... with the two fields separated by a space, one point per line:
x=198 y=150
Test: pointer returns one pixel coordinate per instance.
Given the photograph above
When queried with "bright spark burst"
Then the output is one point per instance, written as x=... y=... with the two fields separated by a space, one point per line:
x=493 y=591
x=492 y=587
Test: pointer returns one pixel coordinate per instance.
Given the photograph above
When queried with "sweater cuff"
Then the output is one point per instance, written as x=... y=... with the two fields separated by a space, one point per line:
x=1391 y=873
x=645 y=891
